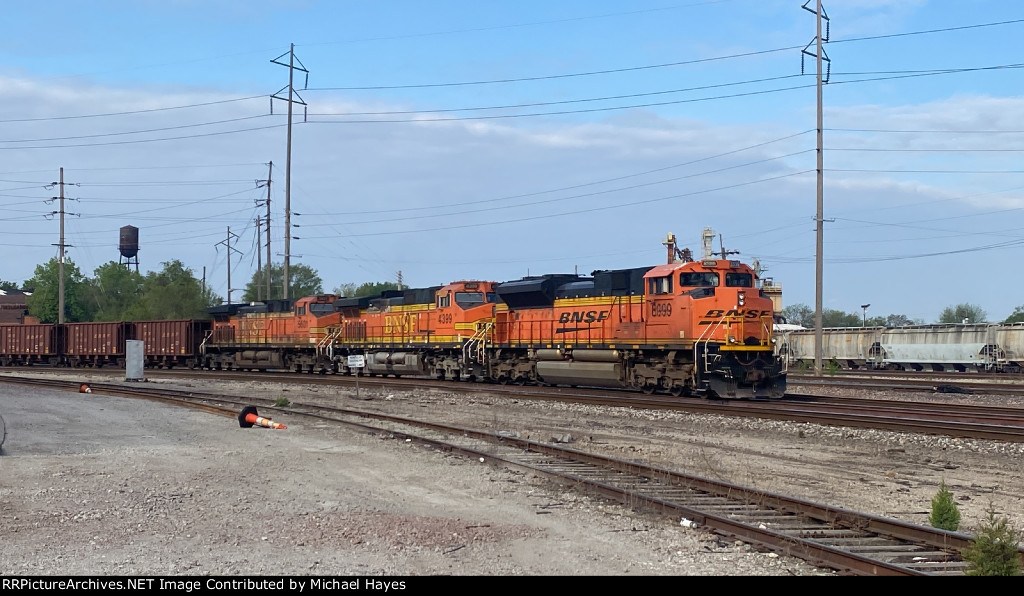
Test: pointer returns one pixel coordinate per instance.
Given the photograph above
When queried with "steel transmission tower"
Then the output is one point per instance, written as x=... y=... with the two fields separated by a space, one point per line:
x=291 y=99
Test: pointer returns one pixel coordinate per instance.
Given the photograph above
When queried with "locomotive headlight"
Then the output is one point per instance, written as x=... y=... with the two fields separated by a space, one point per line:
x=741 y=297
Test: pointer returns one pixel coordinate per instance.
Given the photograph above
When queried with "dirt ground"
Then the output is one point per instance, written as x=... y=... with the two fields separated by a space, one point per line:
x=105 y=486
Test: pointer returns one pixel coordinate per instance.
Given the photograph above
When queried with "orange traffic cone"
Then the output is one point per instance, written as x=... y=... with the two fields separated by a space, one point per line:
x=84 y=388
x=250 y=417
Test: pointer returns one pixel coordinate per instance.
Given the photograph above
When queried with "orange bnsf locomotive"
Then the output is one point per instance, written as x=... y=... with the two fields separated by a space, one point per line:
x=427 y=331
x=686 y=328
x=683 y=328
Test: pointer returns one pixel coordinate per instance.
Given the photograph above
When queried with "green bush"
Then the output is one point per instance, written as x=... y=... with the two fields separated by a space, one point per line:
x=833 y=367
x=945 y=513
x=994 y=549
x=282 y=402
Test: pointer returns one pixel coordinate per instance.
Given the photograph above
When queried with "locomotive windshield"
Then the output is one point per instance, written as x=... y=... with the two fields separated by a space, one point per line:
x=471 y=299
x=701 y=279
x=739 y=280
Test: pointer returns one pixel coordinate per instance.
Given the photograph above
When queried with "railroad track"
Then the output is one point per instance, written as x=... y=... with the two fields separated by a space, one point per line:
x=845 y=540
x=953 y=384
x=956 y=420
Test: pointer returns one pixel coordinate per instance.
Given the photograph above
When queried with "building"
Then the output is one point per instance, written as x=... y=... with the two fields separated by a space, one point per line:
x=13 y=308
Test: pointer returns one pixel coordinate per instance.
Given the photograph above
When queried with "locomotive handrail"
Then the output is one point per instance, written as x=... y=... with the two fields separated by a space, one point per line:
x=476 y=343
x=709 y=331
x=202 y=344
x=325 y=347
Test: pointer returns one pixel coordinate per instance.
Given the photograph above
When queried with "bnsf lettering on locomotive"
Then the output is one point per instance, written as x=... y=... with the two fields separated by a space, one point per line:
x=580 y=316
x=748 y=314
x=398 y=324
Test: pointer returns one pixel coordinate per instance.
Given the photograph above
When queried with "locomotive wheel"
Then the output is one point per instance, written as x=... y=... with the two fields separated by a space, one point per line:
x=503 y=380
x=649 y=388
x=677 y=391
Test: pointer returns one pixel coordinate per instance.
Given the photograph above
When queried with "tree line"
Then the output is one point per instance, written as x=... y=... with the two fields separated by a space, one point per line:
x=117 y=293
x=803 y=315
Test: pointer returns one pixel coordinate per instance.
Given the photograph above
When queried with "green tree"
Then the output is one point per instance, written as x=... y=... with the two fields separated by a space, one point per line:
x=172 y=293
x=831 y=317
x=8 y=285
x=44 y=301
x=945 y=513
x=370 y=288
x=1016 y=317
x=900 y=321
x=799 y=314
x=113 y=290
x=964 y=312
x=994 y=551
x=303 y=281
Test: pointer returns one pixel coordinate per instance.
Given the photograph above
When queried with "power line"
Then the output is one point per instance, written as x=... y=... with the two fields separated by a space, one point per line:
x=560 y=199
x=134 y=132
x=924 y=131
x=565 y=112
x=913 y=74
x=197 y=136
x=583 y=185
x=656 y=66
x=559 y=76
x=927 y=32
x=577 y=212
x=553 y=103
x=125 y=113
x=925 y=171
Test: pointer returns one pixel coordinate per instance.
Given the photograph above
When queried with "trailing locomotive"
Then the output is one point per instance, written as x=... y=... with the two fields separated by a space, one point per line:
x=686 y=328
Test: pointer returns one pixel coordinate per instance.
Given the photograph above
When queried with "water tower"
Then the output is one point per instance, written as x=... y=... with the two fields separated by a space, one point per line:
x=129 y=247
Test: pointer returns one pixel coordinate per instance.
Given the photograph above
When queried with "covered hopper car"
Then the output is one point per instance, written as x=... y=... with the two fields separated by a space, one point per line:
x=934 y=348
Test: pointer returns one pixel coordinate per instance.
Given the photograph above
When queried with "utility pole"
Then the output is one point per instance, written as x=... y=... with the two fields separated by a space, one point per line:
x=819 y=217
x=261 y=184
x=227 y=242
x=725 y=253
x=270 y=177
x=259 y=258
x=288 y=160
x=60 y=247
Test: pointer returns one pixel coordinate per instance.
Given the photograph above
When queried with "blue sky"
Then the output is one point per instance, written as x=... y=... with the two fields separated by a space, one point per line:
x=451 y=140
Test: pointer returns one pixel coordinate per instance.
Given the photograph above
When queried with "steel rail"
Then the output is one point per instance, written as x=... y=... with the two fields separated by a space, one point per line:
x=823 y=535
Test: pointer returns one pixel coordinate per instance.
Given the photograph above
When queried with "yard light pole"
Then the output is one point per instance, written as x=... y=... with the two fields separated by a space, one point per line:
x=864 y=320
